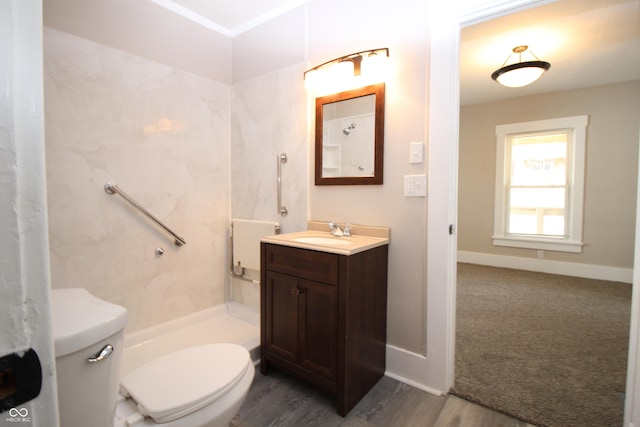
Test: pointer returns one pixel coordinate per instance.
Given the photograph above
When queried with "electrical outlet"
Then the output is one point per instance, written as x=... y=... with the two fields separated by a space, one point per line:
x=540 y=254
x=415 y=185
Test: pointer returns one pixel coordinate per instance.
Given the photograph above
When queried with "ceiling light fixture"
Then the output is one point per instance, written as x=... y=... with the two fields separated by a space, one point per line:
x=520 y=73
x=369 y=65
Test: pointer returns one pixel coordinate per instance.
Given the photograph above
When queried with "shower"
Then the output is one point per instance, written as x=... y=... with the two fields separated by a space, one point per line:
x=347 y=130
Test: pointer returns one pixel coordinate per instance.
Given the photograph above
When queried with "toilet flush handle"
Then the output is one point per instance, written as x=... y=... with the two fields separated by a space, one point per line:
x=103 y=354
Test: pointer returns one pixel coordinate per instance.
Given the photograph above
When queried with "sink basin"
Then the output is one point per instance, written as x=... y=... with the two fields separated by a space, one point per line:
x=317 y=239
x=323 y=241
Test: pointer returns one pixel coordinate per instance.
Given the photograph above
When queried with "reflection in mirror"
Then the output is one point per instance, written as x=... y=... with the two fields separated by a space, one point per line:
x=347 y=132
x=350 y=137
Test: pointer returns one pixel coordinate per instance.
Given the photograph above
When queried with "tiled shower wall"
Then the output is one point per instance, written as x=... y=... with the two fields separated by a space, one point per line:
x=268 y=118
x=162 y=135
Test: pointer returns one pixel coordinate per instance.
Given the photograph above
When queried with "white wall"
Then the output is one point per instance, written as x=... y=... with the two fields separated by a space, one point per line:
x=160 y=133
x=403 y=29
x=274 y=45
x=146 y=29
x=25 y=319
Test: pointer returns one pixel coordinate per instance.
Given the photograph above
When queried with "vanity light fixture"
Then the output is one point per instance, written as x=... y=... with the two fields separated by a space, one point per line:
x=520 y=73
x=370 y=65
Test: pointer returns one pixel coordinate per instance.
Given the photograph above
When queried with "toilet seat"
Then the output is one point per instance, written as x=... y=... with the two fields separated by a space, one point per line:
x=180 y=383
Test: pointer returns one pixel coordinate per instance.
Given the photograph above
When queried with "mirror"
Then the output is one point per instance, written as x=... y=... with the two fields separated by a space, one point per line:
x=350 y=137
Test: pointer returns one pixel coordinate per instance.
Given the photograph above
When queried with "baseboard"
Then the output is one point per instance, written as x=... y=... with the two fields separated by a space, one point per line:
x=589 y=271
x=409 y=368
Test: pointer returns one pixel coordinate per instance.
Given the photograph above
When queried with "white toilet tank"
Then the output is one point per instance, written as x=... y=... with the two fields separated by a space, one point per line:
x=88 y=334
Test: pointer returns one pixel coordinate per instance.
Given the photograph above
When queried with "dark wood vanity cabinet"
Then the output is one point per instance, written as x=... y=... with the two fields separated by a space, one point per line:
x=323 y=318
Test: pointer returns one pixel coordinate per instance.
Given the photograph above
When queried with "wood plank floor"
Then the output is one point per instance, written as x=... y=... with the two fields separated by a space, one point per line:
x=280 y=401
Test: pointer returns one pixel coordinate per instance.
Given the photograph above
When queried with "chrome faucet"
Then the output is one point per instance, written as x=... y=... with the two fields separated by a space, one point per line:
x=335 y=229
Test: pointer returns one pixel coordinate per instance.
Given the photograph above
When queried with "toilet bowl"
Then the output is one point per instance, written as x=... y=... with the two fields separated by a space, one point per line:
x=194 y=387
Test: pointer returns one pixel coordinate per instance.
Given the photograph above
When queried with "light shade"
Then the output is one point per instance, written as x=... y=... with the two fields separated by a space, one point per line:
x=357 y=69
x=374 y=67
x=521 y=73
x=341 y=71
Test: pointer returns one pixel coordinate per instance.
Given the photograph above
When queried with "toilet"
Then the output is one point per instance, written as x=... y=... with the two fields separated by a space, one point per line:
x=194 y=387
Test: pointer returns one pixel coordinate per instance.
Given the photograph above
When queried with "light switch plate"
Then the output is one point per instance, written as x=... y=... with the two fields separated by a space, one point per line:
x=415 y=185
x=416 y=152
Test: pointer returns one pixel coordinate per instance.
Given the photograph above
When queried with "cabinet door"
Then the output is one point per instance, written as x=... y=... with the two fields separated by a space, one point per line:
x=318 y=322
x=282 y=316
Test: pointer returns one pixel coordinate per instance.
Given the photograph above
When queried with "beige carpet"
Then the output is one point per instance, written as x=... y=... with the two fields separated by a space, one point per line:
x=547 y=349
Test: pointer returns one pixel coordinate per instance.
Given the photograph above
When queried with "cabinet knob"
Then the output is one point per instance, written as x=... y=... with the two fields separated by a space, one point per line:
x=296 y=291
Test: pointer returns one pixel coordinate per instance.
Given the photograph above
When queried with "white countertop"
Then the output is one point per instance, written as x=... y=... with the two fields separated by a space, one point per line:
x=325 y=242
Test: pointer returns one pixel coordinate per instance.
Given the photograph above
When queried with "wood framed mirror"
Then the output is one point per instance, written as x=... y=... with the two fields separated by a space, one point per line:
x=349 y=147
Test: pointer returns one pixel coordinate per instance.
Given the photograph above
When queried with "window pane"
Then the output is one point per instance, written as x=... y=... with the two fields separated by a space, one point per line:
x=539 y=187
x=539 y=159
x=537 y=211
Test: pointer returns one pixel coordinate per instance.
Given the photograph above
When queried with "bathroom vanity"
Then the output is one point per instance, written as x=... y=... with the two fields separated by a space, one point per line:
x=324 y=310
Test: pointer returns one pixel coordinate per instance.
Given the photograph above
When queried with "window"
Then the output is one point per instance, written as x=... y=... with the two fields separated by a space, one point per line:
x=540 y=184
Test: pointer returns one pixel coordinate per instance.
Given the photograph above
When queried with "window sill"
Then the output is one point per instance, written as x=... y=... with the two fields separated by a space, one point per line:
x=538 y=243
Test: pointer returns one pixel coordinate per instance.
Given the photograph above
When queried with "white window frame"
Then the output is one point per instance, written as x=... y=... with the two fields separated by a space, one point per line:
x=575 y=199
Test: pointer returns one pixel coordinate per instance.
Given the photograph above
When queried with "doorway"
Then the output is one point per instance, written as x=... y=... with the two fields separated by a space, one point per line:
x=443 y=137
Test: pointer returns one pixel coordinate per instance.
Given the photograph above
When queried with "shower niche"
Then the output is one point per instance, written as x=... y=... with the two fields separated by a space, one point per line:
x=331 y=160
x=350 y=137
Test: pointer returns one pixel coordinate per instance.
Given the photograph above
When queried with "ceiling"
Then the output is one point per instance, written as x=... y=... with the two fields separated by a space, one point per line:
x=587 y=42
x=230 y=17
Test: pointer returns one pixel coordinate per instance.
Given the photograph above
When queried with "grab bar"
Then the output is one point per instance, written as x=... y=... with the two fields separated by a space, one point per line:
x=282 y=158
x=112 y=188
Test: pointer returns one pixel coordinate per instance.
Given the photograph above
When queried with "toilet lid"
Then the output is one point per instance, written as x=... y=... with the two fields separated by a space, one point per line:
x=182 y=382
